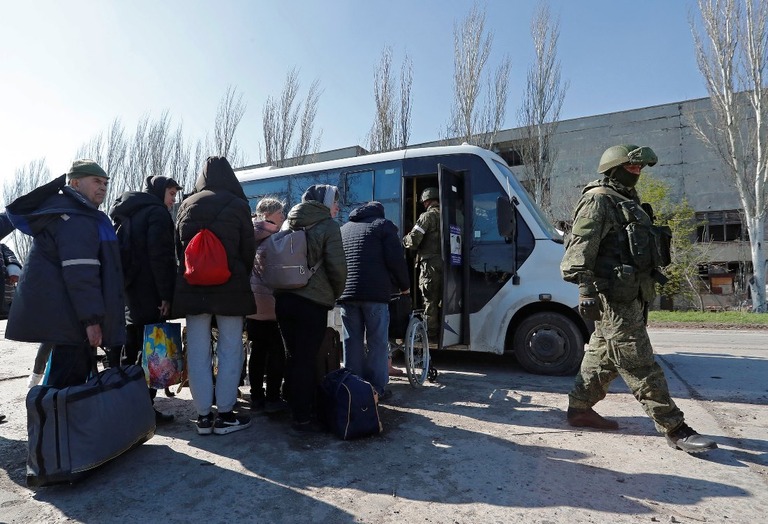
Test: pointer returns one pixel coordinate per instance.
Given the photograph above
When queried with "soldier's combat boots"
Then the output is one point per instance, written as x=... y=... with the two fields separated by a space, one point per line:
x=686 y=439
x=588 y=418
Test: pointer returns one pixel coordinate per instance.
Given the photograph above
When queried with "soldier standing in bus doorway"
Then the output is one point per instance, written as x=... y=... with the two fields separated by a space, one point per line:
x=613 y=255
x=424 y=238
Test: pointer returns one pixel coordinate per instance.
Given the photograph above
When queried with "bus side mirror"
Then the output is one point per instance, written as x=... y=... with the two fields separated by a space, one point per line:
x=505 y=217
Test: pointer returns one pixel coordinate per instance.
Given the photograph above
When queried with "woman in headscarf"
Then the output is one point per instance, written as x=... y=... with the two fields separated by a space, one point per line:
x=303 y=313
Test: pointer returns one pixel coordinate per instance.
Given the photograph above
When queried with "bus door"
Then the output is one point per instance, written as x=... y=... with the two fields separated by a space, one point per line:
x=455 y=224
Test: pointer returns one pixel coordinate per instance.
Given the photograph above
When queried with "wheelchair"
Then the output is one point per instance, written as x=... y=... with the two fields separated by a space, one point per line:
x=414 y=343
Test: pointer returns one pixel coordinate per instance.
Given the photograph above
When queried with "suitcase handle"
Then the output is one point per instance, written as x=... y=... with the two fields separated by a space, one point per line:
x=95 y=369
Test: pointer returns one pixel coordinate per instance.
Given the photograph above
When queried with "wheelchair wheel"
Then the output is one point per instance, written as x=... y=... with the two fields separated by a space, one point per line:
x=416 y=348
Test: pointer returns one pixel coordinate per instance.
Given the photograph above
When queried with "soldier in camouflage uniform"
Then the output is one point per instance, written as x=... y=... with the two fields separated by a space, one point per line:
x=613 y=256
x=425 y=239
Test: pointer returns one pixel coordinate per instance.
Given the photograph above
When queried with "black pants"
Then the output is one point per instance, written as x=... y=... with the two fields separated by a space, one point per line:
x=70 y=365
x=267 y=357
x=302 y=325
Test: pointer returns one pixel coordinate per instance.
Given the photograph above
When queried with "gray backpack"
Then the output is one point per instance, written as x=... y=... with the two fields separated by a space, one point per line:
x=283 y=262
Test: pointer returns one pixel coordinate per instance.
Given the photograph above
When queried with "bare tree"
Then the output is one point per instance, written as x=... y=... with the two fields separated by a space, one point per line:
x=307 y=143
x=179 y=164
x=26 y=179
x=197 y=164
x=160 y=146
x=473 y=120
x=139 y=155
x=494 y=110
x=406 y=82
x=280 y=118
x=110 y=155
x=540 y=111
x=391 y=124
x=228 y=116
x=150 y=151
x=732 y=54
x=383 y=130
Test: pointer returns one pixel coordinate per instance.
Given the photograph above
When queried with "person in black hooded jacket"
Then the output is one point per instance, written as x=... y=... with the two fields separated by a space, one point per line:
x=219 y=205
x=150 y=270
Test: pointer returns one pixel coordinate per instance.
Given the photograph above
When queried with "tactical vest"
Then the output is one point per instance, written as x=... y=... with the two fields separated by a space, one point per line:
x=634 y=248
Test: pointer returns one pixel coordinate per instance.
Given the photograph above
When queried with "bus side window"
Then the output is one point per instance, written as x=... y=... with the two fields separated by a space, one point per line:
x=386 y=189
x=256 y=190
x=485 y=227
x=357 y=190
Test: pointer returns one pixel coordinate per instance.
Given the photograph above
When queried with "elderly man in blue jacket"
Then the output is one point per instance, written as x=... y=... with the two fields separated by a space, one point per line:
x=70 y=293
x=375 y=266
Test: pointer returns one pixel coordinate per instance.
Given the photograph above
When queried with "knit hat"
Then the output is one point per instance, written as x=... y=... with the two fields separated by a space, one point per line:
x=86 y=167
x=323 y=193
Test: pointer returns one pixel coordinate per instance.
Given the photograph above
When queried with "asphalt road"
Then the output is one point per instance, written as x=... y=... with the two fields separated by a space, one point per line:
x=486 y=443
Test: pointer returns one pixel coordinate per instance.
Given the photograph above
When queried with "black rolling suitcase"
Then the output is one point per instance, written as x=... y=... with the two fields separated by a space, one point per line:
x=329 y=356
x=76 y=429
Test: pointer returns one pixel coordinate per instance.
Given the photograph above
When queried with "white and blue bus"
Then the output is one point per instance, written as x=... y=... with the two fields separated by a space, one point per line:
x=502 y=288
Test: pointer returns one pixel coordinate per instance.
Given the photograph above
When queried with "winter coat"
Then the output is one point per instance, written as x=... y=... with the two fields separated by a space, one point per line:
x=72 y=276
x=375 y=260
x=265 y=299
x=220 y=205
x=323 y=244
x=151 y=272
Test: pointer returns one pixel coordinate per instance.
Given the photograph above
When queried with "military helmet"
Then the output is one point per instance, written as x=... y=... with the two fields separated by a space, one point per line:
x=431 y=193
x=626 y=154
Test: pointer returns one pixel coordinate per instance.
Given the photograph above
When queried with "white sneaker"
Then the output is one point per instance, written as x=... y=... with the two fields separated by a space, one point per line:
x=33 y=380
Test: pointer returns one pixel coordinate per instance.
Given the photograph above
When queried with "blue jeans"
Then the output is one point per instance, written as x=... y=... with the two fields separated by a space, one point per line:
x=369 y=321
x=229 y=351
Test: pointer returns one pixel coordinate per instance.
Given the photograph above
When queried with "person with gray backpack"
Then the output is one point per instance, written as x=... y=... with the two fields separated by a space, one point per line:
x=302 y=313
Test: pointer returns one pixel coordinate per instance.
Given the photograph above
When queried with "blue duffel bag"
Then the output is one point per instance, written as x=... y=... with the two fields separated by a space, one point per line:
x=73 y=430
x=351 y=405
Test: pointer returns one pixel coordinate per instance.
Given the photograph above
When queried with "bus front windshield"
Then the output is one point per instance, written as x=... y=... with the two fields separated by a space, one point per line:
x=529 y=203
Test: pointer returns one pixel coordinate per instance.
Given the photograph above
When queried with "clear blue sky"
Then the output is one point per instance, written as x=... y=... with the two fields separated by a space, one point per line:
x=68 y=69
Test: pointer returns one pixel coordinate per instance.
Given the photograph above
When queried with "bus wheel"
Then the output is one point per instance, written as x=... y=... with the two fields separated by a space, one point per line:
x=548 y=344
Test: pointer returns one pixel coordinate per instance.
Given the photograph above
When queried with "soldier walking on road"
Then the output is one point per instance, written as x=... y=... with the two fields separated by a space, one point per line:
x=425 y=239
x=613 y=255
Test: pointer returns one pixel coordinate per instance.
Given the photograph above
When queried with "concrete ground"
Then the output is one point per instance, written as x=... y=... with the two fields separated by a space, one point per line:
x=486 y=443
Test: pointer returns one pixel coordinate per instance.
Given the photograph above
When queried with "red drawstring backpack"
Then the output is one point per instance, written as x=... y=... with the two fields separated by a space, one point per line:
x=206 y=260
